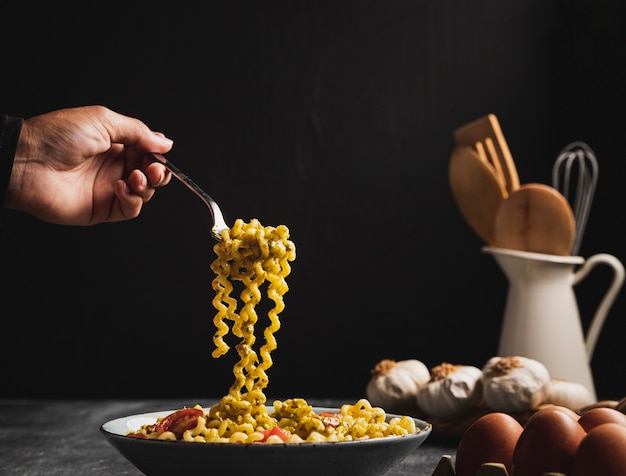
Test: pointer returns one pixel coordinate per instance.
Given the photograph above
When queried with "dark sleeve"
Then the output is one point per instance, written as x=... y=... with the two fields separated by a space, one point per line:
x=10 y=128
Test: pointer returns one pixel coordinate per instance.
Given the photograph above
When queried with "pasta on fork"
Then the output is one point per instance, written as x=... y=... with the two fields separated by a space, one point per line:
x=251 y=267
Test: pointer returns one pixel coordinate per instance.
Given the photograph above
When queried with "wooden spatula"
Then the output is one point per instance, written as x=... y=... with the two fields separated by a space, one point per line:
x=485 y=134
x=535 y=217
x=476 y=190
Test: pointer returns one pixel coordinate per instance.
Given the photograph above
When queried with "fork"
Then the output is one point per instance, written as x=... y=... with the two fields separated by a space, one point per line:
x=485 y=135
x=219 y=224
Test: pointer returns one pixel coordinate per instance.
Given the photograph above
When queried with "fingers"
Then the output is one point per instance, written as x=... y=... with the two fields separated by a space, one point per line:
x=137 y=189
x=157 y=174
x=128 y=204
x=138 y=184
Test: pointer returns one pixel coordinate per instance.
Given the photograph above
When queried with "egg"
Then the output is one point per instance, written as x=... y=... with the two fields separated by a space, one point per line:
x=547 y=443
x=490 y=439
x=555 y=408
x=601 y=452
x=597 y=416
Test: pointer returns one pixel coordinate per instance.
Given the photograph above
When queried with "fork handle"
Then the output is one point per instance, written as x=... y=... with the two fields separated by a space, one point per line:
x=219 y=223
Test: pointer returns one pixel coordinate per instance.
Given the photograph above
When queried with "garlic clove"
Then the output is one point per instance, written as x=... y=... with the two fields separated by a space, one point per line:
x=568 y=394
x=416 y=369
x=453 y=390
x=514 y=384
x=394 y=385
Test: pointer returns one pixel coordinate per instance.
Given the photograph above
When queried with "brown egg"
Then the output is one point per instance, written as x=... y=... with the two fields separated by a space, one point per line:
x=602 y=452
x=558 y=408
x=490 y=439
x=596 y=416
x=547 y=443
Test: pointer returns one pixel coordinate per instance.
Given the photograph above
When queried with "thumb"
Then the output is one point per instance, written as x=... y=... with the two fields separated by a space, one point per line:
x=134 y=133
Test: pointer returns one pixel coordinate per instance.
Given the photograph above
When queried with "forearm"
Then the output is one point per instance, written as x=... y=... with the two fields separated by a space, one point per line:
x=10 y=128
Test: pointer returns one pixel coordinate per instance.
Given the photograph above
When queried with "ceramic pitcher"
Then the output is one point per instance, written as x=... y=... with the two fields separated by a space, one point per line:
x=541 y=317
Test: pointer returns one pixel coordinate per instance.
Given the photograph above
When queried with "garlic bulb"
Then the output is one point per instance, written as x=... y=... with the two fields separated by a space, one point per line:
x=452 y=391
x=514 y=384
x=394 y=385
x=568 y=394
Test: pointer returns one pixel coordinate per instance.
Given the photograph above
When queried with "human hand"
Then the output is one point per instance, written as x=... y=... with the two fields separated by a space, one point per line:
x=85 y=165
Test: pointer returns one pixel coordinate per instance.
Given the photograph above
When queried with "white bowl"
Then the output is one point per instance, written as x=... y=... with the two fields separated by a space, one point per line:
x=373 y=457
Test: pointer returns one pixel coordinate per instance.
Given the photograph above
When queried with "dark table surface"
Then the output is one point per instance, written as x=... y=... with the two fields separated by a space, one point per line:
x=62 y=437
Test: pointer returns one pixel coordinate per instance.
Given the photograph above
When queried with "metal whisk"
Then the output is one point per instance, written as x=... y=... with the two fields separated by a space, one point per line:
x=575 y=175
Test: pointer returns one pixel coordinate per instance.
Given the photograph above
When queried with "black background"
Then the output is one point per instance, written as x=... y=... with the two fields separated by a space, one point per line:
x=334 y=118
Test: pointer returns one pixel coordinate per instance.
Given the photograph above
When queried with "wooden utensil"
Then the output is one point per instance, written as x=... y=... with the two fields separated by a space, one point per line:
x=476 y=190
x=537 y=218
x=485 y=134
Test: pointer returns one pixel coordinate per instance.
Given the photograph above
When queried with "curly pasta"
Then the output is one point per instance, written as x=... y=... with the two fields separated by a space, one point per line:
x=255 y=259
x=296 y=420
x=255 y=256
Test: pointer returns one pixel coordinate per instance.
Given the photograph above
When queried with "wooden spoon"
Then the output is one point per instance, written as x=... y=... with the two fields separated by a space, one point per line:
x=476 y=189
x=537 y=218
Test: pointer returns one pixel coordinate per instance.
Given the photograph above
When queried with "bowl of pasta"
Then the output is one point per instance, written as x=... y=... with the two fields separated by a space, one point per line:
x=241 y=434
x=289 y=438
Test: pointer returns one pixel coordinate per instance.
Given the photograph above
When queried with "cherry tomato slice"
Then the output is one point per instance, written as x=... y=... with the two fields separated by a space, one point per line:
x=180 y=421
x=330 y=418
x=277 y=431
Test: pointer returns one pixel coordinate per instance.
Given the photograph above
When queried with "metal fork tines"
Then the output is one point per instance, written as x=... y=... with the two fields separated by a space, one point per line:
x=219 y=224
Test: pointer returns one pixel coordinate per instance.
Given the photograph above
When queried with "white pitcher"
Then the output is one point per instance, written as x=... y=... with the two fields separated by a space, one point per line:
x=541 y=318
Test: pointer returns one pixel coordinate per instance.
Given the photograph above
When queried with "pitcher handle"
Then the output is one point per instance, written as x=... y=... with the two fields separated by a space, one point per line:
x=607 y=301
